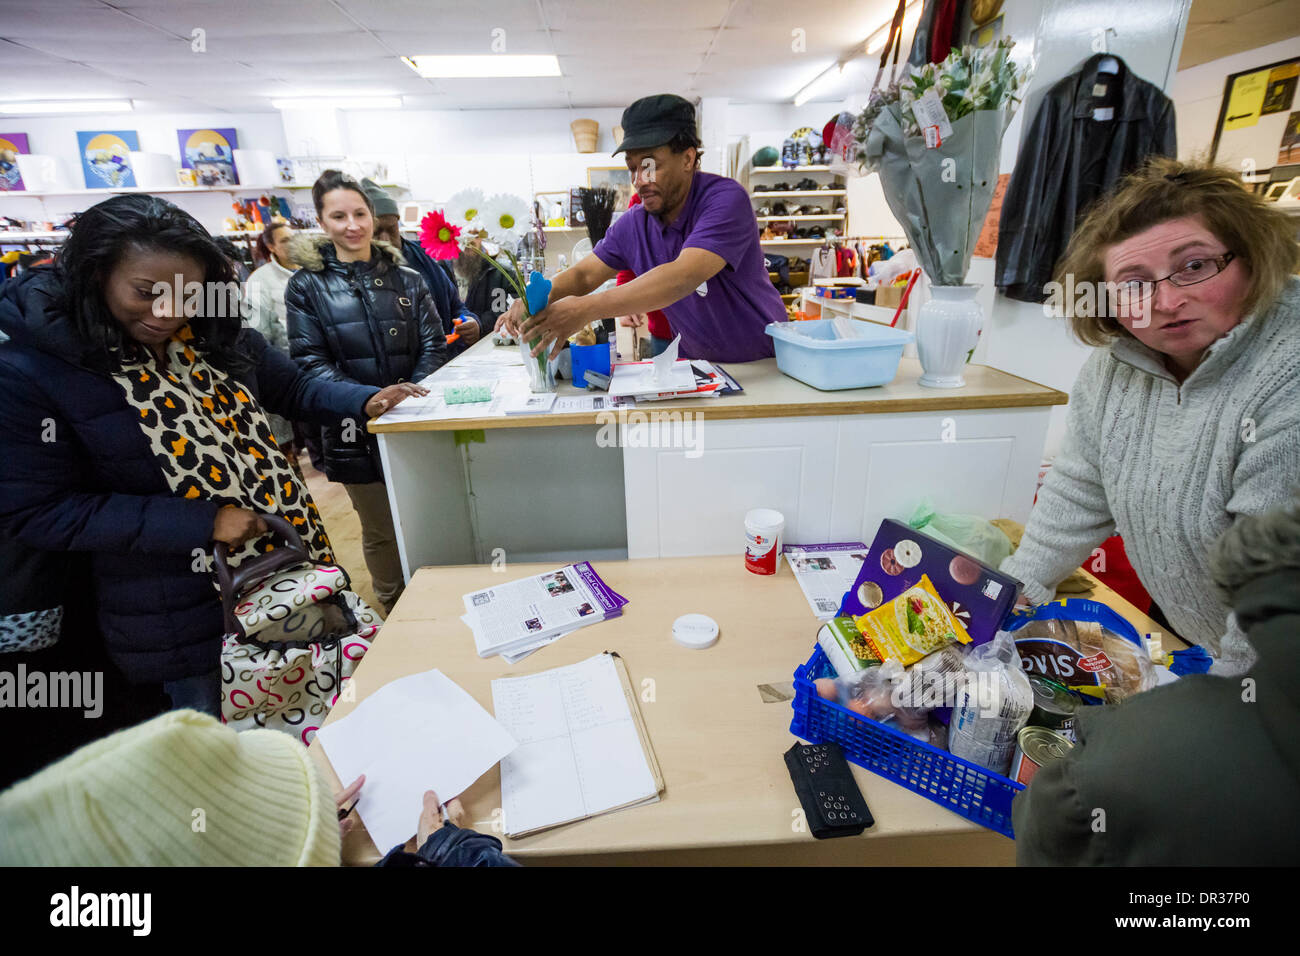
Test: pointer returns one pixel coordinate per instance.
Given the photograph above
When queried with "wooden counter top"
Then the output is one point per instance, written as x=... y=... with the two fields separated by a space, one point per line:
x=768 y=393
x=728 y=795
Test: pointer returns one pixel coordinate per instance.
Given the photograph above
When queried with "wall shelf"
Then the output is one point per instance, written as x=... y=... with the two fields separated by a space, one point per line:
x=800 y=192
x=789 y=169
x=797 y=218
x=159 y=190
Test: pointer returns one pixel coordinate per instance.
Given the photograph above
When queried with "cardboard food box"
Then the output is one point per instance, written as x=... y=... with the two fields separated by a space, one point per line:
x=980 y=597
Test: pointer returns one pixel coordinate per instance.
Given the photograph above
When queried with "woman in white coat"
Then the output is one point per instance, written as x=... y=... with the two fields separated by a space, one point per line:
x=264 y=307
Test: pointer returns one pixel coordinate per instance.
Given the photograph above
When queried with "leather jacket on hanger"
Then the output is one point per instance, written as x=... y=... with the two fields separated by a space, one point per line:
x=1068 y=158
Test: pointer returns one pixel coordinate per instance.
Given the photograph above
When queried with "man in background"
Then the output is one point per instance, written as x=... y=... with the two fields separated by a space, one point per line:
x=456 y=318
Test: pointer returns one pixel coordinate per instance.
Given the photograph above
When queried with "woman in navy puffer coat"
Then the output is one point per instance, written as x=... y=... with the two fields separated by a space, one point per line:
x=79 y=471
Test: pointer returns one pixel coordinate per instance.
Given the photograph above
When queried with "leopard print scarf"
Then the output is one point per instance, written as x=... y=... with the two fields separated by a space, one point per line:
x=213 y=441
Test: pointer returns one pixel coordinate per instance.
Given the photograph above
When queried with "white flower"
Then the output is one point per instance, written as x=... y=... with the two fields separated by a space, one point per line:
x=465 y=209
x=506 y=218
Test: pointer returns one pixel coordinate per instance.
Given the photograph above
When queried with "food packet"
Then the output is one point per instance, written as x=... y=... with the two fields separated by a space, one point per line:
x=842 y=643
x=911 y=626
x=1084 y=645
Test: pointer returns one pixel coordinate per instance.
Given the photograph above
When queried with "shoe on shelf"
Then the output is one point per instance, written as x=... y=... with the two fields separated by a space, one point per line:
x=840 y=211
x=806 y=184
x=781 y=188
x=764 y=211
x=779 y=209
x=760 y=189
x=790 y=153
x=813 y=211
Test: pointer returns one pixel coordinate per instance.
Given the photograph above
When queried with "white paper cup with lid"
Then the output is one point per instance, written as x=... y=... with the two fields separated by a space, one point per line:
x=763 y=534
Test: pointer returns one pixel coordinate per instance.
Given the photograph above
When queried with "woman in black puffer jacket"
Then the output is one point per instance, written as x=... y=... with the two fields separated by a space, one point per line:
x=133 y=431
x=357 y=314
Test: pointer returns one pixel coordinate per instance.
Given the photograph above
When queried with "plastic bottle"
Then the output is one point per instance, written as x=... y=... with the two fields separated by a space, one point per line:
x=992 y=706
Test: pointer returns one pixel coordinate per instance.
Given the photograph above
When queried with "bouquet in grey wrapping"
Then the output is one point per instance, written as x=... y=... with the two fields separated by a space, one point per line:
x=941 y=194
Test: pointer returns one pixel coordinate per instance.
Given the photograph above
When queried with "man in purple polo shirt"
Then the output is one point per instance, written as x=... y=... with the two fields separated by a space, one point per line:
x=692 y=242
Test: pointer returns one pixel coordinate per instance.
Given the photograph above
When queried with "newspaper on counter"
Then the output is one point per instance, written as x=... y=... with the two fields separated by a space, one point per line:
x=527 y=613
x=825 y=572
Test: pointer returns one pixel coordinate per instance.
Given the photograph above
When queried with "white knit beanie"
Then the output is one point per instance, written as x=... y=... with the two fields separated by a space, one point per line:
x=179 y=790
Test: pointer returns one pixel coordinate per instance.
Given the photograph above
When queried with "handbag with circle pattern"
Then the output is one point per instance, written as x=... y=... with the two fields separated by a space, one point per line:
x=294 y=634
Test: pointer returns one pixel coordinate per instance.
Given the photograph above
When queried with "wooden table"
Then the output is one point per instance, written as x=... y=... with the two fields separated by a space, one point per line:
x=674 y=479
x=728 y=796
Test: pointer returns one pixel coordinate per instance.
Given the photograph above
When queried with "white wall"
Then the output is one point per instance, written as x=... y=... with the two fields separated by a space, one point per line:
x=1198 y=92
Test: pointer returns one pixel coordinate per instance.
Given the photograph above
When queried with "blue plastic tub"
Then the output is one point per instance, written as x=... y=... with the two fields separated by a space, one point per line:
x=966 y=789
x=831 y=354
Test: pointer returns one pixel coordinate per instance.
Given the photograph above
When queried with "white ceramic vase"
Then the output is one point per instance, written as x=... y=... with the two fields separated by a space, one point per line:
x=947 y=328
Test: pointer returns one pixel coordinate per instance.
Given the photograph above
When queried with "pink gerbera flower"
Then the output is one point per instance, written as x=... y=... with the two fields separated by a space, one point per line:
x=438 y=236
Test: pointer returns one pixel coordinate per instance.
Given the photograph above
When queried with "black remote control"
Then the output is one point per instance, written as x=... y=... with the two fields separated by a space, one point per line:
x=832 y=802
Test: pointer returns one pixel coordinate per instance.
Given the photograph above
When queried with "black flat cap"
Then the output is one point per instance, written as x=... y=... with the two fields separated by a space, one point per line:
x=653 y=120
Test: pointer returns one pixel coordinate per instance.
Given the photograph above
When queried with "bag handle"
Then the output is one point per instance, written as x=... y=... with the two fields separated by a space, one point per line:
x=232 y=582
x=892 y=45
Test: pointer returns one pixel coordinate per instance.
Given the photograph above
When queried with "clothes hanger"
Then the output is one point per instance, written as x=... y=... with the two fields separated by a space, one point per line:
x=1108 y=64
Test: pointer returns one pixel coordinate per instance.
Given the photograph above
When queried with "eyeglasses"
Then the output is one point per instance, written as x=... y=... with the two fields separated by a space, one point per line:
x=1138 y=291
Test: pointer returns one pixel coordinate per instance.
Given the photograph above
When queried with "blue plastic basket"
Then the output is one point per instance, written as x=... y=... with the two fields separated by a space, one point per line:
x=832 y=354
x=965 y=788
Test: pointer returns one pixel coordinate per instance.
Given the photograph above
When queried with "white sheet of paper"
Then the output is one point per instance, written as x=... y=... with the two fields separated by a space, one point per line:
x=418 y=733
x=664 y=362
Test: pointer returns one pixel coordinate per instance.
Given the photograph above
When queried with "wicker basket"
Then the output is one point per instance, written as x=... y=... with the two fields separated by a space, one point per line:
x=585 y=134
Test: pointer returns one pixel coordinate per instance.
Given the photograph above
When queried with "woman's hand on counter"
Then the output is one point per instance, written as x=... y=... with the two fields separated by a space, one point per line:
x=386 y=398
x=633 y=321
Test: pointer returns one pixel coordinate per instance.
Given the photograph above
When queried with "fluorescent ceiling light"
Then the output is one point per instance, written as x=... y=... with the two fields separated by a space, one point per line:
x=68 y=106
x=820 y=82
x=485 y=65
x=339 y=103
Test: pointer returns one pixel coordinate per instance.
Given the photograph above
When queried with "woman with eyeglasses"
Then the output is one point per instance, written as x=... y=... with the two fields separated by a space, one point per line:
x=1188 y=414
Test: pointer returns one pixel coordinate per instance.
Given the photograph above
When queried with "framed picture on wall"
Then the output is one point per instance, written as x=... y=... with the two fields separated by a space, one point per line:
x=12 y=145
x=1255 y=115
x=618 y=178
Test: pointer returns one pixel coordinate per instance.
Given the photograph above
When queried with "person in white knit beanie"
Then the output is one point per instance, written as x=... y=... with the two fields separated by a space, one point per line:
x=185 y=790
x=178 y=790
x=1188 y=415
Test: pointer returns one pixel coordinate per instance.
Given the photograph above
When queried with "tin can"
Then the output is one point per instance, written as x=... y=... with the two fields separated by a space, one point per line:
x=1054 y=706
x=1036 y=746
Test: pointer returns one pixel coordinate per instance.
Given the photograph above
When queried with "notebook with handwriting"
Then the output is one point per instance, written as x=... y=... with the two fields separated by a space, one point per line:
x=583 y=749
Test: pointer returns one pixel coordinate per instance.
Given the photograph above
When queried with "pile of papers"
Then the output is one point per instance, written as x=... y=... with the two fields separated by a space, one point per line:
x=665 y=377
x=519 y=617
